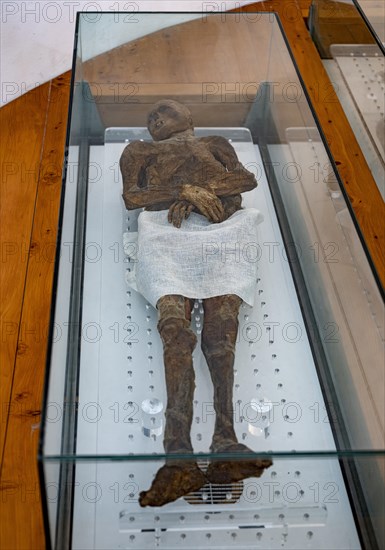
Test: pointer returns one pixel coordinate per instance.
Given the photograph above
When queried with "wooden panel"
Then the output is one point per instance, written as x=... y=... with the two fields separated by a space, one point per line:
x=21 y=518
x=21 y=134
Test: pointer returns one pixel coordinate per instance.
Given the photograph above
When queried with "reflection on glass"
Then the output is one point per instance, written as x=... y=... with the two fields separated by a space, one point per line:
x=309 y=370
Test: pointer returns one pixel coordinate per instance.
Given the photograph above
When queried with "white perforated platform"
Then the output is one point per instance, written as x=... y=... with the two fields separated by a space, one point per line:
x=358 y=76
x=365 y=77
x=297 y=503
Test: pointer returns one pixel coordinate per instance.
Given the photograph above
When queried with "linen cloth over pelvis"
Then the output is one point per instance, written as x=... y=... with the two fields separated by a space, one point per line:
x=198 y=260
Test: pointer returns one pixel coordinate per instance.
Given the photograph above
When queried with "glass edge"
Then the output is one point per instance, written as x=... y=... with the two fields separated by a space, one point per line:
x=337 y=454
x=334 y=166
x=369 y=26
x=313 y=454
x=49 y=345
x=41 y=442
x=44 y=506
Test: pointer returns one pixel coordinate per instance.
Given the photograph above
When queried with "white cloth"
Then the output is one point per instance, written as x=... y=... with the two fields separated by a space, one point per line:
x=198 y=260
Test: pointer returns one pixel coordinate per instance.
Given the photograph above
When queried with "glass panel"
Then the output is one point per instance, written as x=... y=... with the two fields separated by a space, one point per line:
x=353 y=55
x=374 y=12
x=302 y=503
x=303 y=395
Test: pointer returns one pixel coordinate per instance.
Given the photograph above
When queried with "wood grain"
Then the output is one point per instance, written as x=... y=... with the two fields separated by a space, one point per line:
x=21 y=518
x=22 y=124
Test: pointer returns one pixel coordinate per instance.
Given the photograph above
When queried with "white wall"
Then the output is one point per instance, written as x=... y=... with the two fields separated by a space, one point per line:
x=37 y=36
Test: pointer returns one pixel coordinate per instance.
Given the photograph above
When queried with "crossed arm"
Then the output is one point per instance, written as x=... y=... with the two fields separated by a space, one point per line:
x=139 y=191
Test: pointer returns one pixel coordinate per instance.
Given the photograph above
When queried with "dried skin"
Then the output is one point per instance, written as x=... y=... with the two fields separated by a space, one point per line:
x=182 y=173
x=177 y=166
x=219 y=334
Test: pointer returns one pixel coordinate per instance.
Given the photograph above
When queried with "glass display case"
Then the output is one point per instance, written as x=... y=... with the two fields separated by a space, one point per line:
x=350 y=38
x=374 y=13
x=308 y=390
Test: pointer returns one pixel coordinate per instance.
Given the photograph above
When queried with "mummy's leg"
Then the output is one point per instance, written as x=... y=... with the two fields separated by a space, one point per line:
x=178 y=345
x=177 y=478
x=219 y=337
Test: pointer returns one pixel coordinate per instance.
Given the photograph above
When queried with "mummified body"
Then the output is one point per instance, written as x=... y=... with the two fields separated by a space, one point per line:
x=181 y=174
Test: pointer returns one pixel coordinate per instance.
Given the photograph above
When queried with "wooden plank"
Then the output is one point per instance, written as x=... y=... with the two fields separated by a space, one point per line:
x=366 y=200
x=22 y=125
x=21 y=517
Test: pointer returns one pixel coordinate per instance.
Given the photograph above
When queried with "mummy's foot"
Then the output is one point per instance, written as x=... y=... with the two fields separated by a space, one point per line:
x=172 y=482
x=230 y=471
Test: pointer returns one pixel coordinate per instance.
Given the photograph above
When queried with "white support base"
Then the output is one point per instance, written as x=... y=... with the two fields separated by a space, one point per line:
x=298 y=502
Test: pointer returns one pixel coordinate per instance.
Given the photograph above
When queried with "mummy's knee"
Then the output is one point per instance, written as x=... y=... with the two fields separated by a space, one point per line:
x=176 y=332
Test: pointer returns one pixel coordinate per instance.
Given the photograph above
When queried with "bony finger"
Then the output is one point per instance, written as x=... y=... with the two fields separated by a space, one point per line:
x=221 y=210
x=171 y=212
x=189 y=209
x=215 y=209
x=176 y=217
x=213 y=215
x=179 y=216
